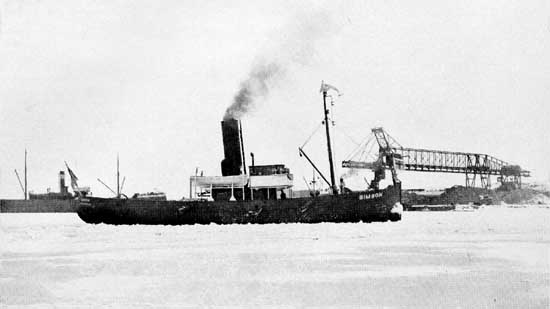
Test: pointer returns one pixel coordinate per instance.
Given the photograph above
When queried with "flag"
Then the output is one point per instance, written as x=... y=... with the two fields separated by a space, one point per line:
x=326 y=87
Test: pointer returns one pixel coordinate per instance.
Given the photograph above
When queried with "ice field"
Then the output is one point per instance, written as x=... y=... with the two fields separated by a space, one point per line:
x=492 y=257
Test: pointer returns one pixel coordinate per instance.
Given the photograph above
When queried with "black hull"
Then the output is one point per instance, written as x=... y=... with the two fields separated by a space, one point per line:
x=369 y=206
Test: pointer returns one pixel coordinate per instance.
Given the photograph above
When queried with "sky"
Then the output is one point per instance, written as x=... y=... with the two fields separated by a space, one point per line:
x=83 y=81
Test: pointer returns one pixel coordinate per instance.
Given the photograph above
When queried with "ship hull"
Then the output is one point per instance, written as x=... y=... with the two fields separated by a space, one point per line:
x=368 y=206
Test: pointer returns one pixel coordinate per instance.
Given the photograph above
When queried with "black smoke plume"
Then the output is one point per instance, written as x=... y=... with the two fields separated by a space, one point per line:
x=296 y=46
x=253 y=88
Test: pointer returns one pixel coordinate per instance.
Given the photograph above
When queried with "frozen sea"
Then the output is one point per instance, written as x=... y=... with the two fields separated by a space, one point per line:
x=491 y=257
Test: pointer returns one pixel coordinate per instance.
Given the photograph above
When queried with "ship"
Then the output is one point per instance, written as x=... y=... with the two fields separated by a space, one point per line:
x=63 y=193
x=261 y=195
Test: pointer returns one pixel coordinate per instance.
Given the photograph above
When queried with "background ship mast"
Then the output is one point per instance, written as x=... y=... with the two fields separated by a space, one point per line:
x=23 y=187
x=26 y=192
x=117 y=177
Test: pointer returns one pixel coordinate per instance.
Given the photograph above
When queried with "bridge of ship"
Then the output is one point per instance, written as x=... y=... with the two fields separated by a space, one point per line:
x=241 y=186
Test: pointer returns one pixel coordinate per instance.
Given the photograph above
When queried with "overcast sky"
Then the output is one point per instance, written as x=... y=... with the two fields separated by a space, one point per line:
x=84 y=80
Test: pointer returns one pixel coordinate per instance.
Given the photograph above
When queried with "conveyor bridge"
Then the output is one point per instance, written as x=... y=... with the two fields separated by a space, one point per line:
x=475 y=166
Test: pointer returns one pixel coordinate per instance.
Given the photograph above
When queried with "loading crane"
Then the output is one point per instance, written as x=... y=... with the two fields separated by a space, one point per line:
x=392 y=156
x=388 y=158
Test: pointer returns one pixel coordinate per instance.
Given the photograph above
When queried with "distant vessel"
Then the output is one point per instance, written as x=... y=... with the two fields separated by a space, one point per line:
x=262 y=196
x=63 y=193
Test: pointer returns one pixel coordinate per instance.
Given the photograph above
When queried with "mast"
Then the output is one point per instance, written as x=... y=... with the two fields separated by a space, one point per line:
x=332 y=181
x=313 y=181
x=117 y=177
x=26 y=174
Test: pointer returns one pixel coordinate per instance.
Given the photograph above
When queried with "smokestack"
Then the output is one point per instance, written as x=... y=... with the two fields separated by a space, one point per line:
x=62 y=187
x=233 y=148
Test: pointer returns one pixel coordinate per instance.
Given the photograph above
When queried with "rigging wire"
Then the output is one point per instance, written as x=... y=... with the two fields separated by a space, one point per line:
x=369 y=152
x=360 y=147
x=314 y=131
x=349 y=137
x=367 y=149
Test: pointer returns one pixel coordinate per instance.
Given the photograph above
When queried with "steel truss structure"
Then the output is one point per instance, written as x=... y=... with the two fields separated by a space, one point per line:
x=474 y=165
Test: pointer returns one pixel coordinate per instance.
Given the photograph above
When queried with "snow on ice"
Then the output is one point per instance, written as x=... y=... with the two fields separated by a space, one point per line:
x=494 y=256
